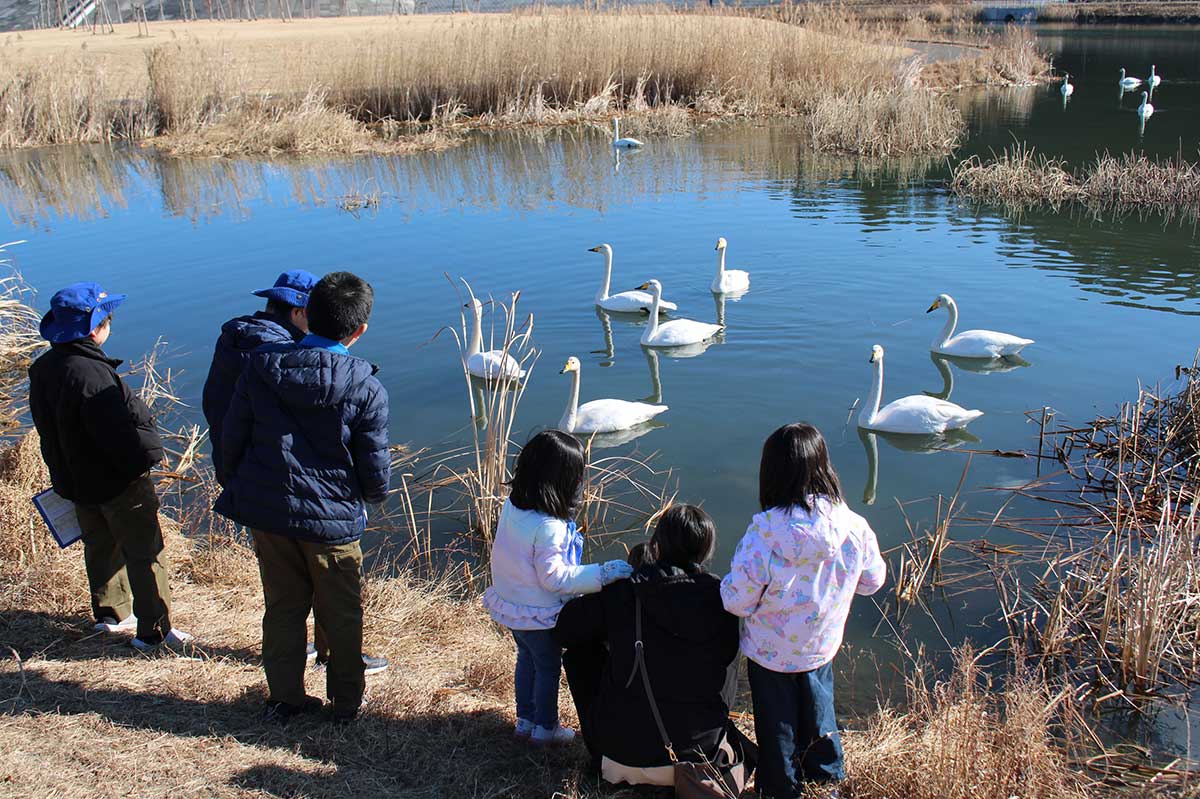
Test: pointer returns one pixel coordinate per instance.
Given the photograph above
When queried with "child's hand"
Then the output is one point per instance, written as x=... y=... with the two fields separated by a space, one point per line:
x=614 y=570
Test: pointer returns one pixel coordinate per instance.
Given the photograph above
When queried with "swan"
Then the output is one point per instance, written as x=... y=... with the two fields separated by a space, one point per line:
x=972 y=343
x=490 y=364
x=624 y=144
x=1154 y=78
x=1129 y=83
x=602 y=415
x=1145 y=109
x=728 y=281
x=624 y=301
x=1067 y=89
x=677 y=332
x=911 y=414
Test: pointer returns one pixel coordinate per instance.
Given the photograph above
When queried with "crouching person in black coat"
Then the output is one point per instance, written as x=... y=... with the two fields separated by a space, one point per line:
x=99 y=442
x=690 y=650
x=305 y=449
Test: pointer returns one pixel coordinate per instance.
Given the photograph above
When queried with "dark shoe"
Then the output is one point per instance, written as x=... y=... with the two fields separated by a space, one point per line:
x=342 y=715
x=284 y=712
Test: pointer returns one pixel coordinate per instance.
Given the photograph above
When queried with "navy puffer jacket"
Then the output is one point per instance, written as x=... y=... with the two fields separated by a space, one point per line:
x=305 y=444
x=239 y=338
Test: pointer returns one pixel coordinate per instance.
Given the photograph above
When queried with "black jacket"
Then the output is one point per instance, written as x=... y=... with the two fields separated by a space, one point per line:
x=239 y=337
x=691 y=648
x=305 y=444
x=97 y=436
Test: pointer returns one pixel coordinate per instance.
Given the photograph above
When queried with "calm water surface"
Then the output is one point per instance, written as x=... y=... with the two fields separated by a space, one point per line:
x=841 y=255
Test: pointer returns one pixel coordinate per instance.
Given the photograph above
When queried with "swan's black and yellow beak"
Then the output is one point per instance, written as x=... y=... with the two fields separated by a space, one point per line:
x=593 y=249
x=643 y=287
x=936 y=304
x=566 y=368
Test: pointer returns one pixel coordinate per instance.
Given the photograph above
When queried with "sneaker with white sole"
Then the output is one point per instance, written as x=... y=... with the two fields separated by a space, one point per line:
x=524 y=729
x=311 y=652
x=175 y=640
x=559 y=736
x=371 y=664
x=110 y=625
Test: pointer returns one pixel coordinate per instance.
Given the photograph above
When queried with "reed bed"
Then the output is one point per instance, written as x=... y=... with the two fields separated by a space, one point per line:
x=1020 y=178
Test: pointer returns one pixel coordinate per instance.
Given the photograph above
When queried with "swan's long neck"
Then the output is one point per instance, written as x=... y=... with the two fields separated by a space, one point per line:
x=602 y=294
x=720 y=262
x=476 y=333
x=867 y=414
x=567 y=424
x=656 y=296
x=951 y=324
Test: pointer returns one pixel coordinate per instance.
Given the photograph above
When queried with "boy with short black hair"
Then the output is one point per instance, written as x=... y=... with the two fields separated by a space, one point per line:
x=313 y=418
x=99 y=442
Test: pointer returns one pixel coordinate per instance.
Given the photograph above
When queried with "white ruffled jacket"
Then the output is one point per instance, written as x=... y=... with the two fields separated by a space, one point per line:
x=536 y=569
x=793 y=578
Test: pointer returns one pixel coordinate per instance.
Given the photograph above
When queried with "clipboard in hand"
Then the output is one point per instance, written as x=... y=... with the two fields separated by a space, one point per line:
x=59 y=515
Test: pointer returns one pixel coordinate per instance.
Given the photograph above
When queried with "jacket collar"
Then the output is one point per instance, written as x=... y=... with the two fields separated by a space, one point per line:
x=86 y=348
x=283 y=321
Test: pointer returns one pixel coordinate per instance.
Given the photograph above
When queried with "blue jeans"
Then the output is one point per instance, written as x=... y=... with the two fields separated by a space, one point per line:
x=539 y=661
x=796 y=729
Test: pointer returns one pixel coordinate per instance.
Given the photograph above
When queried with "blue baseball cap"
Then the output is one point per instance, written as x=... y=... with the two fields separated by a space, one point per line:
x=76 y=311
x=291 y=288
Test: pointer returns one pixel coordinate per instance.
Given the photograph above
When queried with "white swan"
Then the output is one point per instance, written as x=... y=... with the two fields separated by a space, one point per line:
x=601 y=415
x=1067 y=89
x=490 y=364
x=972 y=343
x=1145 y=109
x=676 y=332
x=1154 y=78
x=1130 y=82
x=624 y=301
x=728 y=281
x=911 y=414
x=624 y=144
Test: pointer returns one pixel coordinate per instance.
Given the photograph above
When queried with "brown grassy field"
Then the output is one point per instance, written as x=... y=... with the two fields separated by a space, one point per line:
x=348 y=85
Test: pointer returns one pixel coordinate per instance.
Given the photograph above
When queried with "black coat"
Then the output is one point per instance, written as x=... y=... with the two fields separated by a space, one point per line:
x=97 y=436
x=305 y=444
x=691 y=649
x=239 y=337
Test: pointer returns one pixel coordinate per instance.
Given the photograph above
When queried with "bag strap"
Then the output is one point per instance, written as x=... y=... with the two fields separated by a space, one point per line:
x=639 y=665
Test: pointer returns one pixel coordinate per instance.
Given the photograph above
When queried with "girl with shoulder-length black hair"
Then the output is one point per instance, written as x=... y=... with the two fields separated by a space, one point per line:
x=536 y=569
x=792 y=579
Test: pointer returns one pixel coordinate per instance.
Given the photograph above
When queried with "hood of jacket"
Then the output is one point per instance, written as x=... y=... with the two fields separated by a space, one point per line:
x=795 y=534
x=247 y=333
x=684 y=605
x=309 y=377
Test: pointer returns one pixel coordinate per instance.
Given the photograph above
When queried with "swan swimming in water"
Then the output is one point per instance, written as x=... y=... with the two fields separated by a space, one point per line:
x=972 y=343
x=601 y=415
x=676 y=332
x=1154 y=78
x=1145 y=109
x=1130 y=82
x=489 y=364
x=911 y=414
x=728 y=281
x=624 y=144
x=1067 y=89
x=624 y=301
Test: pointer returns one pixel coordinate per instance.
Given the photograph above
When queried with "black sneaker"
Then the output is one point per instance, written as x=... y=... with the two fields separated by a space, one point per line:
x=343 y=716
x=284 y=712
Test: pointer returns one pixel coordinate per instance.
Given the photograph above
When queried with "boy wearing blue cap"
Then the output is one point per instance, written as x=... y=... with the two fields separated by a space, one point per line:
x=305 y=449
x=99 y=442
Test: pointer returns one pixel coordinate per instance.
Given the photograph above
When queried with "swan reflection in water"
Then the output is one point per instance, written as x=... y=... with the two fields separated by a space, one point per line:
x=978 y=365
x=917 y=443
x=719 y=301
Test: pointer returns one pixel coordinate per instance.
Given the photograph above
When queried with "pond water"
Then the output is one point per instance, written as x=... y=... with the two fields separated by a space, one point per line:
x=842 y=256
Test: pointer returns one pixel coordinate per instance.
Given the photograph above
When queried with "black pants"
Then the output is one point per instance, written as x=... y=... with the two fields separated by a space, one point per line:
x=796 y=728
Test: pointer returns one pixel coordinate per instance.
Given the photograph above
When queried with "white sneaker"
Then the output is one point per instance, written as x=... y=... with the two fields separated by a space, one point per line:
x=524 y=729
x=110 y=625
x=559 y=736
x=176 y=639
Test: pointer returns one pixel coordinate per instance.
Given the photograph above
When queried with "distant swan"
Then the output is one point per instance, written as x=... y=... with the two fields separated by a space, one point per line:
x=1129 y=83
x=1154 y=78
x=625 y=144
x=602 y=415
x=1067 y=89
x=490 y=364
x=676 y=332
x=625 y=301
x=1145 y=109
x=728 y=281
x=972 y=343
x=911 y=414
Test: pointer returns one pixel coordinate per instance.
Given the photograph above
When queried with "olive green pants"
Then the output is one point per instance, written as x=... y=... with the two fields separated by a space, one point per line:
x=122 y=554
x=299 y=576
